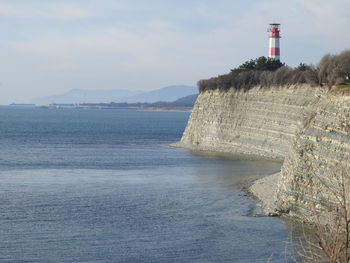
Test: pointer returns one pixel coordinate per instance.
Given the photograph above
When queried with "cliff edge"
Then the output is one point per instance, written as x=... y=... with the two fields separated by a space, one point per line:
x=307 y=127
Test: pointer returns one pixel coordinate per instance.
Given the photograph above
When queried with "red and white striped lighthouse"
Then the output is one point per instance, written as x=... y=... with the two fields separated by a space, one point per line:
x=274 y=41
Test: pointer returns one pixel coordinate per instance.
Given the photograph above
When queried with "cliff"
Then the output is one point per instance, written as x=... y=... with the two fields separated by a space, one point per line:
x=308 y=128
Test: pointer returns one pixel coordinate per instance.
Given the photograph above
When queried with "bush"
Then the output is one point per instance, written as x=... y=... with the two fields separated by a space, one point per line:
x=266 y=72
x=331 y=239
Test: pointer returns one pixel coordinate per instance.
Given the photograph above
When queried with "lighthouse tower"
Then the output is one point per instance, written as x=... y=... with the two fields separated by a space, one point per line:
x=274 y=41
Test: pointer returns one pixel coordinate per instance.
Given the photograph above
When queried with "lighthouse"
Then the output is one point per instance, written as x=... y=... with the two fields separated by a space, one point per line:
x=274 y=41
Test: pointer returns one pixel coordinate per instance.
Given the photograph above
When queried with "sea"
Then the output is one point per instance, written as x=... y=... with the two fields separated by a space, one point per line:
x=89 y=185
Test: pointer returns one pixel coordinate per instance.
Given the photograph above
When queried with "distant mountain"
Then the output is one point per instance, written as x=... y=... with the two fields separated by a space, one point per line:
x=78 y=96
x=170 y=93
x=87 y=96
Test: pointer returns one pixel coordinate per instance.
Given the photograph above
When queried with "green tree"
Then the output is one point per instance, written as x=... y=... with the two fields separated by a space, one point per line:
x=302 y=67
x=261 y=63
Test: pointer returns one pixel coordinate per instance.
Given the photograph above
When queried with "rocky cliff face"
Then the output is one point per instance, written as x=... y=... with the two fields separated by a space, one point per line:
x=307 y=127
x=314 y=171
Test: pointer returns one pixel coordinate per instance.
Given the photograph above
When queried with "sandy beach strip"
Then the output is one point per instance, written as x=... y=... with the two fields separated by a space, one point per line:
x=265 y=189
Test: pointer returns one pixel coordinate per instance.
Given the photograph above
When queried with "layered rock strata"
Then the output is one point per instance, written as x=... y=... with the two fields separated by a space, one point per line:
x=309 y=128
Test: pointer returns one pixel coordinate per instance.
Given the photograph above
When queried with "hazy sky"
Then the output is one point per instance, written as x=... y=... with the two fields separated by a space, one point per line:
x=52 y=46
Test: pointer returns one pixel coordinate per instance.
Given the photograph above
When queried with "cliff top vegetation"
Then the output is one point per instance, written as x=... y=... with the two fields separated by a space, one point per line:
x=332 y=70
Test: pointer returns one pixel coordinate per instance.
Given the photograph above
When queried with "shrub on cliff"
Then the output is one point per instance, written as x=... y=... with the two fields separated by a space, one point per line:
x=266 y=72
x=330 y=240
x=334 y=70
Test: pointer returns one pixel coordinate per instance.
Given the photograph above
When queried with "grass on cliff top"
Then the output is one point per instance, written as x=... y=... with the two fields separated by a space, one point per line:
x=344 y=86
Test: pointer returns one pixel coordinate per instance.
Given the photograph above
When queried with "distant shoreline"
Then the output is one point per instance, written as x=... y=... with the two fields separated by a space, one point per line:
x=175 y=109
x=184 y=109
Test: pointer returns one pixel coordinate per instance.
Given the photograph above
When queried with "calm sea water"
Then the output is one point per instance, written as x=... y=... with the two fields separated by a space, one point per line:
x=103 y=186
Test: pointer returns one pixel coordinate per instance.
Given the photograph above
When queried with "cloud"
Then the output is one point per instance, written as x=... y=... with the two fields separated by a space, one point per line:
x=336 y=9
x=53 y=10
x=147 y=45
x=117 y=57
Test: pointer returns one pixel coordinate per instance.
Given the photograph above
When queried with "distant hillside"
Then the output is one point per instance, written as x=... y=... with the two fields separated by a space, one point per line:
x=187 y=101
x=86 y=96
x=170 y=93
x=78 y=96
x=184 y=103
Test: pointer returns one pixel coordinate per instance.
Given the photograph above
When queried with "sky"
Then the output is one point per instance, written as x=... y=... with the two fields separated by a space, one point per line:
x=52 y=46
